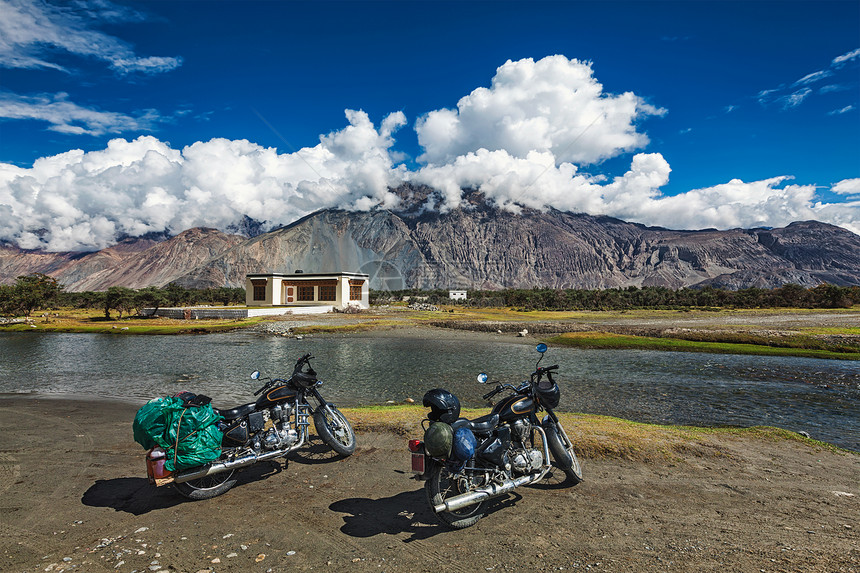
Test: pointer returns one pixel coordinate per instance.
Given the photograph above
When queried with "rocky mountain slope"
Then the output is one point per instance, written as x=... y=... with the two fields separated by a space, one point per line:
x=474 y=247
x=132 y=263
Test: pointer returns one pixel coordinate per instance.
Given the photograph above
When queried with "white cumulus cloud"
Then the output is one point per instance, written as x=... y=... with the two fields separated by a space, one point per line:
x=536 y=181
x=85 y=201
x=553 y=104
x=520 y=143
x=847 y=187
x=526 y=140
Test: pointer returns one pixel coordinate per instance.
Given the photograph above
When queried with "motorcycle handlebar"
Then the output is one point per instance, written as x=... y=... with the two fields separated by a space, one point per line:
x=302 y=361
x=268 y=385
x=493 y=392
x=548 y=370
x=498 y=389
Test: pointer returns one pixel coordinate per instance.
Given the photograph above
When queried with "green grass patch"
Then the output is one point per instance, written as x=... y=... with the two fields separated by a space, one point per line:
x=513 y=314
x=599 y=437
x=849 y=330
x=605 y=340
x=99 y=325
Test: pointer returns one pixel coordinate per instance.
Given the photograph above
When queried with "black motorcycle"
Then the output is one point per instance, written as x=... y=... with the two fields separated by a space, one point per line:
x=271 y=427
x=466 y=462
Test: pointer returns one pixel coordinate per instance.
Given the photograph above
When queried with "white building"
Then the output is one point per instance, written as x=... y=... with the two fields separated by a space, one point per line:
x=457 y=294
x=335 y=290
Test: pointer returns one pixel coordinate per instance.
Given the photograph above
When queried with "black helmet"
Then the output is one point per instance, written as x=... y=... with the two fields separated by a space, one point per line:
x=444 y=406
x=304 y=379
x=548 y=394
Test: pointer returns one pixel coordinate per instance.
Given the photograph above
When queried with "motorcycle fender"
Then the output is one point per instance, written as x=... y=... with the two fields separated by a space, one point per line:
x=550 y=428
x=561 y=457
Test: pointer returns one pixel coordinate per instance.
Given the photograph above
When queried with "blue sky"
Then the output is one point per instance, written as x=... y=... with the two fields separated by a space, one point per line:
x=121 y=118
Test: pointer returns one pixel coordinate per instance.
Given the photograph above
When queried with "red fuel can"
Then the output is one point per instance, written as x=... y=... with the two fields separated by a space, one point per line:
x=155 y=469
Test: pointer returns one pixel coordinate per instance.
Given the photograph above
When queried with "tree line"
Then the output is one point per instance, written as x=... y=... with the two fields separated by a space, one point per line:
x=35 y=292
x=786 y=296
x=31 y=293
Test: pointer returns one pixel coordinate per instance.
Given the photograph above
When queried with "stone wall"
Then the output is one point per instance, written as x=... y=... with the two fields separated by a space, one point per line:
x=197 y=313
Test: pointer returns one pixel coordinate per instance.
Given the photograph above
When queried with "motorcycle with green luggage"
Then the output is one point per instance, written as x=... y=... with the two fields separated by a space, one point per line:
x=199 y=449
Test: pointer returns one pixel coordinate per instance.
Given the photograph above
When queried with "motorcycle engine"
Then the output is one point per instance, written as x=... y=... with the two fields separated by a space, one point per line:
x=283 y=438
x=281 y=435
x=527 y=461
x=280 y=412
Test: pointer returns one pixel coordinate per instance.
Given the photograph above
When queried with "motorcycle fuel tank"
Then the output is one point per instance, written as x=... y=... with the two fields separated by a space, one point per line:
x=276 y=395
x=514 y=407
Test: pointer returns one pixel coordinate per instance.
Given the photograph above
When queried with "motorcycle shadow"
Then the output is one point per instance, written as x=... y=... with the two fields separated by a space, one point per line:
x=315 y=451
x=137 y=496
x=555 y=479
x=132 y=495
x=405 y=512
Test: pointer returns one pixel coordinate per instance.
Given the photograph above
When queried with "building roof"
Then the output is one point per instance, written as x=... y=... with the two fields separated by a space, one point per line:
x=308 y=275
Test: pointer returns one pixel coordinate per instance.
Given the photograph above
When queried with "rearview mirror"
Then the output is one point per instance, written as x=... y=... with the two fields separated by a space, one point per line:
x=255 y=375
x=482 y=378
x=541 y=348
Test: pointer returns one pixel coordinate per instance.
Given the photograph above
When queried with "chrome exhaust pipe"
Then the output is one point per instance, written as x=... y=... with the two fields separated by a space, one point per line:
x=479 y=495
x=495 y=490
x=244 y=461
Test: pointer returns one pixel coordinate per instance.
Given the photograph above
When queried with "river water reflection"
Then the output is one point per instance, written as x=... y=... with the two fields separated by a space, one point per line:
x=821 y=397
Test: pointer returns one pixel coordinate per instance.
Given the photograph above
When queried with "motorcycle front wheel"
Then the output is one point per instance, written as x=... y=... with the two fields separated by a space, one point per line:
x=334 y=429
x=441 y=485
x=562 y=451
x=207 y=487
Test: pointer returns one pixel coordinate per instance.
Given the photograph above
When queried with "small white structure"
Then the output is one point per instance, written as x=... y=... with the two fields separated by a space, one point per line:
x=457 y=294
x=332 y=290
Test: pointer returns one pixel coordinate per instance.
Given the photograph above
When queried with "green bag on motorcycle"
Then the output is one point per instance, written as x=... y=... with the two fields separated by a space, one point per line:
x=150 y=424
x=438 y=439
x=188 y=433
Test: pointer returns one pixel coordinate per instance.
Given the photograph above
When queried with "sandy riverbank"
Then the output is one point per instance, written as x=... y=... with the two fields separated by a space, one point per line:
x=831 y=334
x=75 y=498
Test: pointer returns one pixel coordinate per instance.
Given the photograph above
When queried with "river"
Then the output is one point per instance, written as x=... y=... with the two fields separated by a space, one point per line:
x=820 y=397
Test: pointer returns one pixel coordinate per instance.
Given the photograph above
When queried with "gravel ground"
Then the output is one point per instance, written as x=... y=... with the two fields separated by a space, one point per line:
x=75 y=498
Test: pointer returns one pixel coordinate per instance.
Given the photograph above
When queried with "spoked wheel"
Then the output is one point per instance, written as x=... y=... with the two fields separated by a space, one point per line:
x=562 y=451
x=207 y=487
x=442 y=485
x=334 y=429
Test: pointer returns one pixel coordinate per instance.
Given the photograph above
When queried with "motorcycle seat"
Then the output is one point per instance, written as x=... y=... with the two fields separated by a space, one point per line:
x=237 y=412
x=480 y=425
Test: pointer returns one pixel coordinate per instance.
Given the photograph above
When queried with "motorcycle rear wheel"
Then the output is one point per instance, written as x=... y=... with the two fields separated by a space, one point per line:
x=335 y=430
x=441 y=485
x=207 y=487
x=562 y=451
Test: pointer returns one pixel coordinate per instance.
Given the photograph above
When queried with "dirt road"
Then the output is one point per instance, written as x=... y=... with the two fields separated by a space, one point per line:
x=75 y=498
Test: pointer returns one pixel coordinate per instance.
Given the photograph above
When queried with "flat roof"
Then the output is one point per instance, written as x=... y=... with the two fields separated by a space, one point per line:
x=307 y=275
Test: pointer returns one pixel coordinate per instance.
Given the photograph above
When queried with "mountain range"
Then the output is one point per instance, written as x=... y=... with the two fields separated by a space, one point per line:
x=477 y=246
